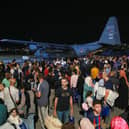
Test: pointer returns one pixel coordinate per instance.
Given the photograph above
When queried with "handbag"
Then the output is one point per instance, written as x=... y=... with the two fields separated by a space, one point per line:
x=112 y=96
x=52 y=122
x=100 y=92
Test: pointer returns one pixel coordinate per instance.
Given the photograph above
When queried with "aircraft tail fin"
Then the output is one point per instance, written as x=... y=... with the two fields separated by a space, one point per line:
x=110 y=34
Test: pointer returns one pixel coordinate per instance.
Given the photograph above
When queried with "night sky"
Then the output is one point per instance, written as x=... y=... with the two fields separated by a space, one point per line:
x=52 y=26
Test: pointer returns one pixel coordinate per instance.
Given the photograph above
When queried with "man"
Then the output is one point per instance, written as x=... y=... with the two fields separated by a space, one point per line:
x=51 y=81
x=11 y=95
x=63 y=102
x=42 y=99
x=6 y=81
x=74 y=79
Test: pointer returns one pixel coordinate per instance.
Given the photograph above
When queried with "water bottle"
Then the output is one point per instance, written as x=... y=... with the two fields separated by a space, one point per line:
x=71 y=119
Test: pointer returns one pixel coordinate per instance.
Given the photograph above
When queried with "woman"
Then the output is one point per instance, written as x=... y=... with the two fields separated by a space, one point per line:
x=122 y=100
x=88 y=86
x=15 y=119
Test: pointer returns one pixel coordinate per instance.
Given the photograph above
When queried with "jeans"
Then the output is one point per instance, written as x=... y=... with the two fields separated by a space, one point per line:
x=29 y=122
x=76 y=97
x=63 y=116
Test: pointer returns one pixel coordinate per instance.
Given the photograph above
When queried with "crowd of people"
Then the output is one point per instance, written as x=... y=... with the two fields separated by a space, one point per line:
x=34 y=90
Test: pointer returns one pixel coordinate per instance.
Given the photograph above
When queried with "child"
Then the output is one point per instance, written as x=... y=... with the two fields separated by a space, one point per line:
x=88 y=102
x=95 y=114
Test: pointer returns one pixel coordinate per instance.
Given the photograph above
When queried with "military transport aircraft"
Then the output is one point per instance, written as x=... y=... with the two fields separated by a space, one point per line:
x=109 y=37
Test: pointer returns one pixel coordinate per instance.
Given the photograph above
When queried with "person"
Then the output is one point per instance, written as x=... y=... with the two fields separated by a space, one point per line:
x=119 y=123
x=31 y=114
x=51 y=81
x=1 y=91
x=42 y=94
x=6 y=81
x=3 y=112
x=63 y=102
x=74 y=79
x=125 y=115
x=88 y=86
x=68 y=125
x=24 y=102
x=95 y=114
x=89 y=102
x=80 y=83
x=22 y=105
x=108 y=84
x=94 y=72
x=15 y=119
x=85 y=124
x=2 y=71
x=123 y=91
x=73 y=84
x=11 y=95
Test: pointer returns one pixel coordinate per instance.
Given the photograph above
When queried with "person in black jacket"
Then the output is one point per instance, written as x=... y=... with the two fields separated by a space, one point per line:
x=3 y=112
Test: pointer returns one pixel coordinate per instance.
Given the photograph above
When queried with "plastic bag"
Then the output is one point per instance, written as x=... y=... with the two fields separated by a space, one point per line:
x=53 y=123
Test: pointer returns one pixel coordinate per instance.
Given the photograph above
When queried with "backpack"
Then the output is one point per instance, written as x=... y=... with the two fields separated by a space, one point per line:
x=15 y=74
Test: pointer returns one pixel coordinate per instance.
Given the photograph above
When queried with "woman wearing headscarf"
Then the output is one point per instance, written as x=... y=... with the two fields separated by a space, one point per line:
x=122 y=100
x=88 y=86
x=119 y=123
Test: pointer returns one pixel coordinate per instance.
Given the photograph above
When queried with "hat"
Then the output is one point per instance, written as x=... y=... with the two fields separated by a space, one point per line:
x=88 y=79
x=118 y=123
x=86 y=124
x=106 y=62
x=101 y=82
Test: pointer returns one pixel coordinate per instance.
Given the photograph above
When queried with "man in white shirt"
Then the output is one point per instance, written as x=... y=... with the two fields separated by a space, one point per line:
x=73 y=84
x=74 y=79
x=14 y=93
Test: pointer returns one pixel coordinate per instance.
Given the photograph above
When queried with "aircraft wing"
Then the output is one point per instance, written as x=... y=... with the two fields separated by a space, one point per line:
x=18 y=41
x=110 y=37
